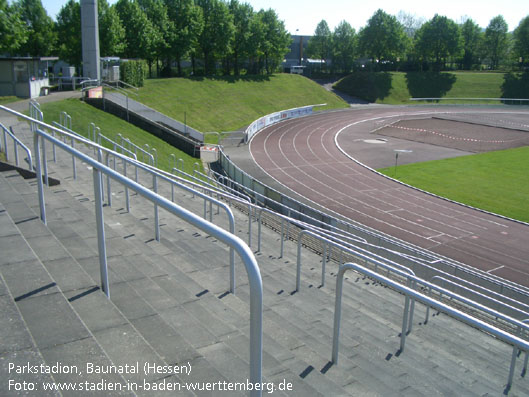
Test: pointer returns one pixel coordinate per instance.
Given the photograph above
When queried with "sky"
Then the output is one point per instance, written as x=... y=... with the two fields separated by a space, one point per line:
x=302 y=16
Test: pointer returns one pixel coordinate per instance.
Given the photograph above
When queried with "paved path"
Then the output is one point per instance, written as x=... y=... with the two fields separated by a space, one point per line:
x=304 y=156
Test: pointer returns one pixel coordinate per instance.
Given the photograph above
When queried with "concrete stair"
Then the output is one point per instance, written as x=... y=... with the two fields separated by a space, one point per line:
x=169 y=305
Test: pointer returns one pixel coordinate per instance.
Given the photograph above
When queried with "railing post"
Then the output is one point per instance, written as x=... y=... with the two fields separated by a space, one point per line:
x=101 y=244
x=298 y=263
x=54 y=151
x=259 y=230
x=155 y=154
x=282 y=231
x=16 y=151
x=156 y=215
x=109 y=189
x=127 y=199
x=337 y=314
x=40 y=186
x=249 y=225
x=45 y=162
x=512 y=367
x=412 y=309
x=323 y=262
x=73 y=159
x=404 y=323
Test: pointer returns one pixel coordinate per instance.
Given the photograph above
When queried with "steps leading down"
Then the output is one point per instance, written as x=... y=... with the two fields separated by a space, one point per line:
x=169 y=306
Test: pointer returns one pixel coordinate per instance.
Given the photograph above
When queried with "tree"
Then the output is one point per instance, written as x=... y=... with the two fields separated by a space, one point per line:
x=140 y=35
x=186 y=25
x=12 y=29
x=111 y=31
x=343 y=47
x=496 y=40
x=40 y=27
x=156 y=12
x=383 y=37
x=471 y=40
x=276 y=40
x=438 y=39
x=242 y=20
x=69 y=31
x=320 y=44
x=256 y=43
x=521 y=39
x=217 y=34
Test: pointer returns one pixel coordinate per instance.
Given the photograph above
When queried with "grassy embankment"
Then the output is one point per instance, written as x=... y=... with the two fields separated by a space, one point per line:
x=398 y=88
x=230 y=103
x=222 y=104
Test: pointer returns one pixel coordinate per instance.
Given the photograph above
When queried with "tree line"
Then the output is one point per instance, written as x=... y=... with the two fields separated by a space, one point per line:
x=219 y=36
x=215 y=35
x=404 y=42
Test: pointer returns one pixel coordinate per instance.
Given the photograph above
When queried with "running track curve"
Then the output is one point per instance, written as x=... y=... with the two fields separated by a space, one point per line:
x=304 y=156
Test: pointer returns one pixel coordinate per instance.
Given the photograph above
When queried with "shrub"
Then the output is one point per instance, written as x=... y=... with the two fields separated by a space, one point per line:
x=133 y=72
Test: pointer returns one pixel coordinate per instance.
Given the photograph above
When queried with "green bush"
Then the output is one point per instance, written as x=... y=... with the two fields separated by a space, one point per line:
x=134 y=72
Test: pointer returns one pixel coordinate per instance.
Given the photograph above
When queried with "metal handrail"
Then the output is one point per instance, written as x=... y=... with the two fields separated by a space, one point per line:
x=167 y=177
x=489 y=291
x=158 y=173
x=515 y=341
x=16 y=142
x=411 y=279
x=247 y=257
x=136 y=147
x=497 y=302
x=376 y=261
x=119 y=89
x=469 y=99
x=244 y=252
x=457 y=267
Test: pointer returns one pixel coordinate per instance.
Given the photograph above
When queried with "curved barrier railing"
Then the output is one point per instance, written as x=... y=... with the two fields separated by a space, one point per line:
x=276 y=117
x=270 y=197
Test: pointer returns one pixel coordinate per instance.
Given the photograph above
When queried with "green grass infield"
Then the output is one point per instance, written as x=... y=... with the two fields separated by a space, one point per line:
x=496 y=181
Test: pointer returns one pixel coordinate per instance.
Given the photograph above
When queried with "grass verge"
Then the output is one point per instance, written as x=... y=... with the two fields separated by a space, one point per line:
x=83 y=114
x=496 y=181
x=8 y=99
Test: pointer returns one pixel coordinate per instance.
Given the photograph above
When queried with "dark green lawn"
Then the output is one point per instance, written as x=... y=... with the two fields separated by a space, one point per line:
x=496 y=181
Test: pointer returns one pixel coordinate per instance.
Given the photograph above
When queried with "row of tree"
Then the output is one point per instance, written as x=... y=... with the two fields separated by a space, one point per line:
x=389 y=41
x=209 y=32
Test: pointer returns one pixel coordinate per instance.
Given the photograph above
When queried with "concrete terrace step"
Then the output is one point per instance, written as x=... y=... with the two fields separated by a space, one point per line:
x=178 y=287
x=403 y=387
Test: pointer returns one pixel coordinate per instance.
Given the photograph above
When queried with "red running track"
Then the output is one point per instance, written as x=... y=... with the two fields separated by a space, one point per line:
x=304 y=155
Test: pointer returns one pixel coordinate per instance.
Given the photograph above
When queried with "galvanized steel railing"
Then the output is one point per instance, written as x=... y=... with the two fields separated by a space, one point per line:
x=515 y=341
x=234 y=242
x=16 y=144
x=425 y=259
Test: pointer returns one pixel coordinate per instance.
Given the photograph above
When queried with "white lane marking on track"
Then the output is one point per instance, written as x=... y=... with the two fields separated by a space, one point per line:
x=376 y=172
x=493 y=270
x=425 y=199
x=320 y=194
